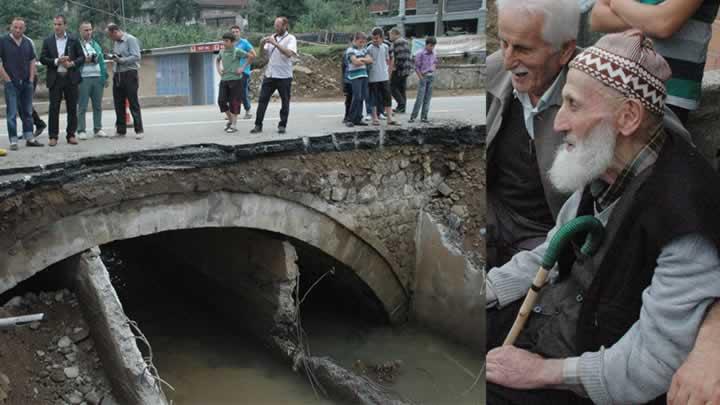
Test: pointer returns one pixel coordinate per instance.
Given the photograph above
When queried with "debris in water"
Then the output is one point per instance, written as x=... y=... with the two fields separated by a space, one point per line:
x=383 y=372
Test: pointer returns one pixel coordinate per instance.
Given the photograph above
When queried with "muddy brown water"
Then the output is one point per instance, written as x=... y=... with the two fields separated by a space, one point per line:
x=217 y=365
x=212 y=360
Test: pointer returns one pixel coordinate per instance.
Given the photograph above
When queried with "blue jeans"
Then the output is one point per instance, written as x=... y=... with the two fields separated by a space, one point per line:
x=424 y=95
x=246 y=99
x=18 y=99
x=359 y=95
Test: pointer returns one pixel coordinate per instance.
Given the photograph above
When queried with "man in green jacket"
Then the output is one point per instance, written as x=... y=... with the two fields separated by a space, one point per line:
x=94 y=79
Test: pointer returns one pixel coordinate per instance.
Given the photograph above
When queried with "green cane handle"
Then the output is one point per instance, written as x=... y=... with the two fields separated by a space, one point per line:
x=594 y=231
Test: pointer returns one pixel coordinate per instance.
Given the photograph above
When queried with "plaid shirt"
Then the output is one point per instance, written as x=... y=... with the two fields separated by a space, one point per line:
x=403 y=58
x=606 y=194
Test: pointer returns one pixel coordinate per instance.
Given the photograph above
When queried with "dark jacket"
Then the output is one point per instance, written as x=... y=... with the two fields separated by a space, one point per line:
x=49 y=53
x=681 y=196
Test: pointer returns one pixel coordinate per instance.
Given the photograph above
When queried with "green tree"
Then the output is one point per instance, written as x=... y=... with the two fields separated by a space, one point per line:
x=262 y=13
x=177 y=11
x=321 y=15
x=100 y=12
x=37 y=14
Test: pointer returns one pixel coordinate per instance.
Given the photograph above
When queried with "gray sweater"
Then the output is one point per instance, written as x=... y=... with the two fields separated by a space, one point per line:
x=640 y=366
x=128 y=50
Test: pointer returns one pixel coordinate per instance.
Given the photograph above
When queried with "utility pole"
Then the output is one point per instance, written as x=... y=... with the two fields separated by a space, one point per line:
x=439 y=25
x=122 y=5
x=401 y=14
x=482 y=17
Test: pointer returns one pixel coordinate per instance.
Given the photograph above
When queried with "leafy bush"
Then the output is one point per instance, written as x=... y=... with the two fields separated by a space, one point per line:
x=163 y=35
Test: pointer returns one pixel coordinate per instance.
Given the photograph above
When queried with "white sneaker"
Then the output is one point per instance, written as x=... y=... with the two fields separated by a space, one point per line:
x=82 y=136
x=367 y=118
x=101 y=134
x=139 y=135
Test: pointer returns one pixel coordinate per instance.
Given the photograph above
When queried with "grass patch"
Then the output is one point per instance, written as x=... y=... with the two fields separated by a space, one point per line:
x=323 y=51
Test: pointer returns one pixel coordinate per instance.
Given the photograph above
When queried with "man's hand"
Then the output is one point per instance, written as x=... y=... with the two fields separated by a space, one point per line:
x=697 y=382
x=270 y=40
x=519 y=369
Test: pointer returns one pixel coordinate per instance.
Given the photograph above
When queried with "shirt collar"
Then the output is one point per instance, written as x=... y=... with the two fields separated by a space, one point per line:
x=605 y=195
x=551 y=97
x=62 y=37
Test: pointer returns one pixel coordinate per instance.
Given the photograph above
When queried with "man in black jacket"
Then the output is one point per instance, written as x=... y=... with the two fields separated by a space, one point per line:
x=63 y=56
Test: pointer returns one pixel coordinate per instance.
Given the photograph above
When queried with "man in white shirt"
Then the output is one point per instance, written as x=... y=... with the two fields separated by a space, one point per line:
x=280 y=47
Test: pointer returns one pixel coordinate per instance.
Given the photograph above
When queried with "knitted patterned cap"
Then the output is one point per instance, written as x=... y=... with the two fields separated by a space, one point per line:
x=628 y=63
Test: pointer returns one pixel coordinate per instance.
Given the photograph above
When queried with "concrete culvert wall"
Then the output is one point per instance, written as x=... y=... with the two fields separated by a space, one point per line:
x=250 y=278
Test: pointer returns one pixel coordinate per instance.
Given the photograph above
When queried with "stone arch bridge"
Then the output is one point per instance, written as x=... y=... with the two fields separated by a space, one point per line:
x=356 y=196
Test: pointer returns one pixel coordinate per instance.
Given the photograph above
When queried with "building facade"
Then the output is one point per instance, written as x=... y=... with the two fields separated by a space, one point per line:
x=460 y=16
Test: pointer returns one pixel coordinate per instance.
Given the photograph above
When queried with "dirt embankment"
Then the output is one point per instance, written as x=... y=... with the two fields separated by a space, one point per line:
x=52 y=361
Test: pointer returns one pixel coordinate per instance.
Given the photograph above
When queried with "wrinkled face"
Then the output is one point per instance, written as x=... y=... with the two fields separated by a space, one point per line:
x=17 y=29
x=586 y=103
x=586 y=118
x=86 y=31
x=533 y=62
x=236 y=32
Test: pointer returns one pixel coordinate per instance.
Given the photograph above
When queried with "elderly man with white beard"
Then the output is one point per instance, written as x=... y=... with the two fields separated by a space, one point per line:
x=525 y=79
x=614 y=327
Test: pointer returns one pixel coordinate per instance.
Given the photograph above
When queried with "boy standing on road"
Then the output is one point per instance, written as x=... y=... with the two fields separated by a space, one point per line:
x=232 y=81
x=425 y=65
x=347 y=85
x=357 y=74
x=379 y=76
x=246 y=65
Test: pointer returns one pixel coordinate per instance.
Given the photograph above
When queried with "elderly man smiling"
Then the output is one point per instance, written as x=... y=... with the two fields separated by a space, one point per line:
x=613 y=328
x=524 y=83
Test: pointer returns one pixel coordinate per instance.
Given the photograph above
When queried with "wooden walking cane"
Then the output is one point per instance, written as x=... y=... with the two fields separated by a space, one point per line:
x=594 y=232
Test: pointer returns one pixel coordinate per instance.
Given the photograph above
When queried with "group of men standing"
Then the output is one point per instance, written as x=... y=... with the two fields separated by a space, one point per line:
x=375 y=73
x=76 y=73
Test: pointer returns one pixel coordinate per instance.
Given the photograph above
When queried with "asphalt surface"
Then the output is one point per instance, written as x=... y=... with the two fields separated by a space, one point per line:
x=177 y=126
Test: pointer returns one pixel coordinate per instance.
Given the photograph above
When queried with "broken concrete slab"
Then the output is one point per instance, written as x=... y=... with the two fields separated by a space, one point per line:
x=132 y=382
